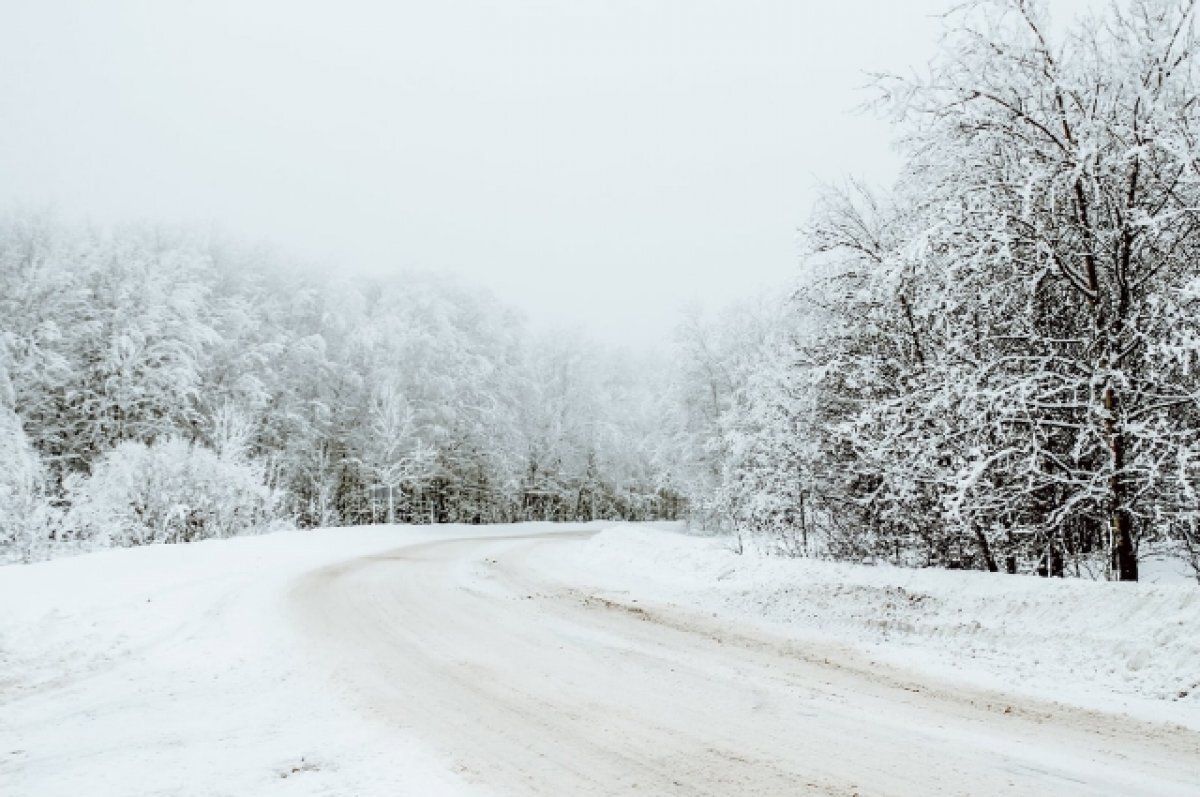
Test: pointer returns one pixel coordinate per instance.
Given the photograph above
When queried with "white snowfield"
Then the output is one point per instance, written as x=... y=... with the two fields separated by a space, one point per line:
x=539 y=660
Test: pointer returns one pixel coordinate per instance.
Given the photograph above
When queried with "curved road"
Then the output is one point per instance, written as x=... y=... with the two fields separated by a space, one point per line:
x=533 y=688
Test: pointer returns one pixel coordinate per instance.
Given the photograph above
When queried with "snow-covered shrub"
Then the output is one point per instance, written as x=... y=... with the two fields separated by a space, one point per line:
x=167 y=492
x=25 y=514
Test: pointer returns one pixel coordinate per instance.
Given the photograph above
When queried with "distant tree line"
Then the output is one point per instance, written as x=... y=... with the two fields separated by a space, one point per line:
x=159 y=387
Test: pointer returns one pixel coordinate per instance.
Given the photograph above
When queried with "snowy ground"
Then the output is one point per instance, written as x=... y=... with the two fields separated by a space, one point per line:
x=172 y=670
x=468 y=661
x=1127 y=647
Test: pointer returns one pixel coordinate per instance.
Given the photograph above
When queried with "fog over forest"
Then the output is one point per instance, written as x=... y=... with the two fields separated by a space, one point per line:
x=986 y=364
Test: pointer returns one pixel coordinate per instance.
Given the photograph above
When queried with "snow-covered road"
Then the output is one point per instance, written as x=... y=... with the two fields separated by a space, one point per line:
x=533 y=688
x=449 y=661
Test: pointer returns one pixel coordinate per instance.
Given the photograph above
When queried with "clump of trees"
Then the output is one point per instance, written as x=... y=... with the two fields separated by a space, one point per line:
x=994 y=364
x=155 y=386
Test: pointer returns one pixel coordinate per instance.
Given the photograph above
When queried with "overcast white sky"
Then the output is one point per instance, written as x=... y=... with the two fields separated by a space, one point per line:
x=600 y=162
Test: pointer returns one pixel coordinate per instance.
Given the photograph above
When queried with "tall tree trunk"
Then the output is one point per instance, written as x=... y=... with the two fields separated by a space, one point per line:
x=1124 y=557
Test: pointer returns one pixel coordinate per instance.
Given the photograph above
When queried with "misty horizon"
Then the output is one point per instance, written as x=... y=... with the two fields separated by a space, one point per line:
x=602 y=165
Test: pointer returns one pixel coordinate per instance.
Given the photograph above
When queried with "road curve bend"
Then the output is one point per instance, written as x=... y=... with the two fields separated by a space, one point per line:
x=532 y=688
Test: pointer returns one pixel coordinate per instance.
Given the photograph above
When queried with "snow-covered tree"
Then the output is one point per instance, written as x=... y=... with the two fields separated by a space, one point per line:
x=1059 y=197
x=26 y=517
x=998 y=366
x=170 y=491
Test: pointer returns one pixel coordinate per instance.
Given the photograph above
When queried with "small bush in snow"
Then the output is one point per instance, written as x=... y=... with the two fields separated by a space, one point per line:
x=169 y=492
x=25 y=515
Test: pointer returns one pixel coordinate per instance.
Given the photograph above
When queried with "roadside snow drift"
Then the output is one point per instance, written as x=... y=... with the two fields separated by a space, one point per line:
x=1131 y=647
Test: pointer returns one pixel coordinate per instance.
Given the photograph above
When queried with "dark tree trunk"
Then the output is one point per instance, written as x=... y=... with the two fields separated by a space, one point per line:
x=1124 y=556
x=986 y=551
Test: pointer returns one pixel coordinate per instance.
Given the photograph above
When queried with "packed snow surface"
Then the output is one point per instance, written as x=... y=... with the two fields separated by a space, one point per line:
x=171 y=669
x=533 y=660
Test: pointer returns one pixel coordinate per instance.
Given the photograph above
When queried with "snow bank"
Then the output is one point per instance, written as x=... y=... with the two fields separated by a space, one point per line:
x=1131 y=647
x=175 y=670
